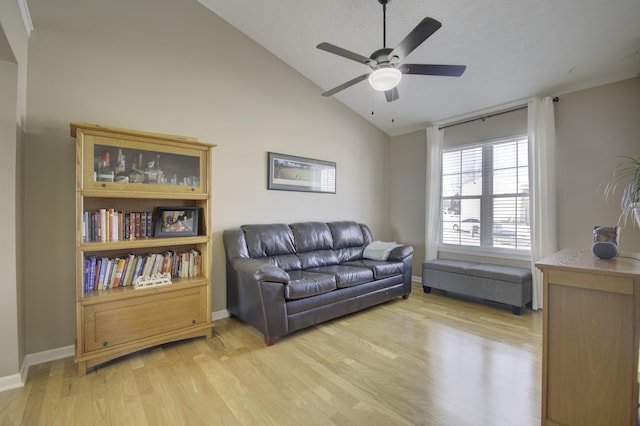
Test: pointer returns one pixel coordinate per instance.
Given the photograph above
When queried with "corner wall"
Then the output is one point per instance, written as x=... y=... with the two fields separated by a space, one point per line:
x=13 y=71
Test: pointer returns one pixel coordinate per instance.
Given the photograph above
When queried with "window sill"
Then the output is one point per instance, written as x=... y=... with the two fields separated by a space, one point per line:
x=522 y=255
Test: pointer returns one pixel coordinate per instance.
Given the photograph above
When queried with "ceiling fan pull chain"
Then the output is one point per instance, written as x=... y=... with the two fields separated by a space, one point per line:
x=371 y=91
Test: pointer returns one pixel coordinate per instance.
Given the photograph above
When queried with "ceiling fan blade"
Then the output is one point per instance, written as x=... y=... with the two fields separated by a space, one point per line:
x=420 y=33
x=345 y=85
x=425 y=69
x=392 y=95
x=328 y=47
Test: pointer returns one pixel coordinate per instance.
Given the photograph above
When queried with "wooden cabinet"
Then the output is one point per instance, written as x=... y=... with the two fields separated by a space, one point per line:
x=591 y=323
x=133 y=189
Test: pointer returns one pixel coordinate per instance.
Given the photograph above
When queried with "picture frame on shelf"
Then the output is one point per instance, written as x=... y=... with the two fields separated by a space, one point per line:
x=176 y=222
x=292 y=173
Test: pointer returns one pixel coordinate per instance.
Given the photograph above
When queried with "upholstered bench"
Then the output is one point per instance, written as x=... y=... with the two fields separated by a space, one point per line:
x=503 y=284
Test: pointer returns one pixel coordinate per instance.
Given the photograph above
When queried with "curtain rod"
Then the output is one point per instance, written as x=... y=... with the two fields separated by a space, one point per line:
x=484 y=117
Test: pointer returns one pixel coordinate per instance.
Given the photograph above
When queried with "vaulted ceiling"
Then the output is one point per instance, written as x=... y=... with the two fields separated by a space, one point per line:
x=513 y=50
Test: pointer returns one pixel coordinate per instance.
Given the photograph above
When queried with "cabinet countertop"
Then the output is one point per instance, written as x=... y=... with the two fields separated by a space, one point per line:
x=625 y=264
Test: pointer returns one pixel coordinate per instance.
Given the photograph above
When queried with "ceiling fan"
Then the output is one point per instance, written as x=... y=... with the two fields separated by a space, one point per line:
x=386 y=63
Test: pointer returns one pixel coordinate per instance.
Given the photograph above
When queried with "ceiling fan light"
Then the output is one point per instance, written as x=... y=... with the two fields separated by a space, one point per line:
x=384 y=79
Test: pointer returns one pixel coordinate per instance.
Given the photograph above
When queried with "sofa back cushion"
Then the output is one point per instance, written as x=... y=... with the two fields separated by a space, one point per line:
x=316 y=258
x=268 y=240
x=310 y=236
x=346 y=234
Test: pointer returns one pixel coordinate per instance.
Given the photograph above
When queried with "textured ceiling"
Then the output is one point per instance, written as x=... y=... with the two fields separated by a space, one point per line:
x=513 y=49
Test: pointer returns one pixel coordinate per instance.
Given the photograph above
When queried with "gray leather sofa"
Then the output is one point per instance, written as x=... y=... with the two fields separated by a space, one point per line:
x=282 y=278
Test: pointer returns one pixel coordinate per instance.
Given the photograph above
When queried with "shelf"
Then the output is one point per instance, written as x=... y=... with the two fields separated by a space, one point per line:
x=143 y=243
x=156 y=195
x=120 y=293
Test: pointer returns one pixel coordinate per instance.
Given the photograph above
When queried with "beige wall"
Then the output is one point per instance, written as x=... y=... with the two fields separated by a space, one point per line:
x=13 y=71
x=592 y=128
x=9 y=360
x=174 y=67
x=407 y=161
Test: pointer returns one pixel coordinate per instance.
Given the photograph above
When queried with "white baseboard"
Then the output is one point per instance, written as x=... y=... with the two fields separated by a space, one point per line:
x=219 y=315
x=416 y=279
x=13 y=381
x=17 y=380
x=50 y=355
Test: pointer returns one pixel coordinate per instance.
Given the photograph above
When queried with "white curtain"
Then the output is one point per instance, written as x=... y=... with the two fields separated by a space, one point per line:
x=433 y=185
x=542 y=169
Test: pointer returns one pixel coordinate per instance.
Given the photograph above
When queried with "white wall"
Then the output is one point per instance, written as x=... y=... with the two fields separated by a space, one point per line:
x=174 y=67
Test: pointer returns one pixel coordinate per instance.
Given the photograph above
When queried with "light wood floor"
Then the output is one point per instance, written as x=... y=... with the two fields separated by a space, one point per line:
x=429 y=360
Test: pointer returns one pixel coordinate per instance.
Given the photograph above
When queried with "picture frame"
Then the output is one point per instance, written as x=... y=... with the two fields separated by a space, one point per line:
x=293 y=173
x=176 y=222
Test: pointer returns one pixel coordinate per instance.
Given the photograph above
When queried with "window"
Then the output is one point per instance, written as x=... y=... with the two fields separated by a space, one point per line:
x=485 y=196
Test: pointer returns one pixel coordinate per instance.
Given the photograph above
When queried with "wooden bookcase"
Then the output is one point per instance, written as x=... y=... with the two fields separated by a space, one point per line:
x=129 y=171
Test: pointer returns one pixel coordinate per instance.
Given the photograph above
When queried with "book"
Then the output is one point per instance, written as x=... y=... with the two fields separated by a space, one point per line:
x=129 y=269
x=118 y=272
x=102 y=225
x=138 y=219
x=97 y=278
x=149 y=224
x=92 y=274
x=107 y=274
x=148 y=266
x=104 y=265
x=114 y=266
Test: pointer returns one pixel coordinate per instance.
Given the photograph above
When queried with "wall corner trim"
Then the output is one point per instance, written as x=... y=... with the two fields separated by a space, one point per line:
x=26 y=16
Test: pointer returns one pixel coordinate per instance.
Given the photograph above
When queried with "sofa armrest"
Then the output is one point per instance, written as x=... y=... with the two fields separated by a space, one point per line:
x=400 y=252
x=260 y=271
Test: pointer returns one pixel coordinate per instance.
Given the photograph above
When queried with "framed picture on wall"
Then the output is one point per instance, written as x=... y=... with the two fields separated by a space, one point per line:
x=176 y=222
x=291 y=173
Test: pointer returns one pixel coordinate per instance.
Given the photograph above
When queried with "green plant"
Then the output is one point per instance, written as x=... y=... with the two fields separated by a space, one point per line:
x=626 y=178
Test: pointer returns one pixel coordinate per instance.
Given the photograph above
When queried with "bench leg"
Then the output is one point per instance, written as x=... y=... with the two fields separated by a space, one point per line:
x=517 y=310
x=426 y=289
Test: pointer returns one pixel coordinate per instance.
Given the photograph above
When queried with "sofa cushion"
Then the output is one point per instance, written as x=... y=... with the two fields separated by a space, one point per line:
x=380 y=268
x=346 y=276
x=313 y=259
x=288 y=262
x=306 y=284
x=312 y=236
x=500 y=272
x=268 y=240
x=346 y=234
x=348 y=253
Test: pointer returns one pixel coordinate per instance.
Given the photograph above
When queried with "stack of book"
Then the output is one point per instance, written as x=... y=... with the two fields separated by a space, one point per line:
x=111 y=225
x=101 y=273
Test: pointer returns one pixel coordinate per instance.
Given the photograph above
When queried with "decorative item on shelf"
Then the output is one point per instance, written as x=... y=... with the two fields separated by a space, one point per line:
x=105 y=172
x=605 y=241
x=154 y=280
x=626 y=176
x=176 y=222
